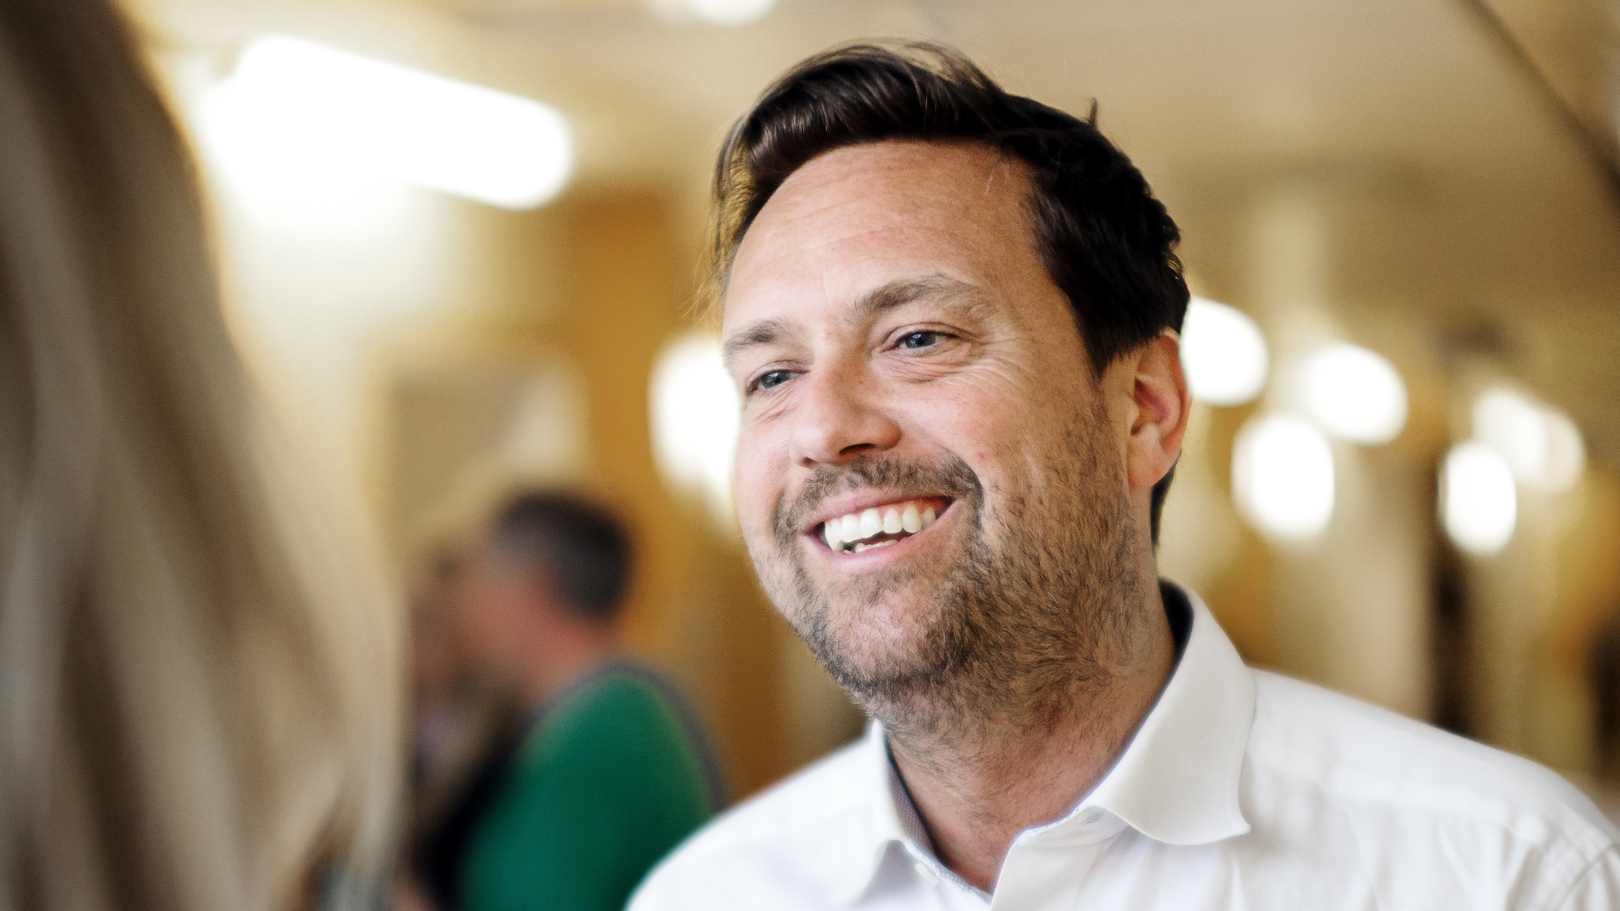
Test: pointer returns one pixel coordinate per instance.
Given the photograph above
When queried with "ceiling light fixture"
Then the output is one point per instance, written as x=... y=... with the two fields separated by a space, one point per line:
x=296 y=109
x=714 y=12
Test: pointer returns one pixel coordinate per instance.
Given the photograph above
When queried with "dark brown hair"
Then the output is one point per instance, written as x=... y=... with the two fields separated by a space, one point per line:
x=582 y=549
x=1106 y=242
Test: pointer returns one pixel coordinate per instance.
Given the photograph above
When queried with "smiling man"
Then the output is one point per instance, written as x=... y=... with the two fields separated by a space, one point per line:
x=952 y=314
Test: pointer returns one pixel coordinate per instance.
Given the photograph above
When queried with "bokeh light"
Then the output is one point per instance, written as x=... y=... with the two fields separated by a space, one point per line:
x=1541 y=446
x=1223 y=353
x=714 y=12
x=1354 y=393
x=304 y=118
x=1282 y=476
x=1478 y=503
x=694 y=421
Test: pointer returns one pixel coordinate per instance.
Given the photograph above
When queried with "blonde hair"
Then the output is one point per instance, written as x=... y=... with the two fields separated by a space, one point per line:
x=199 y=676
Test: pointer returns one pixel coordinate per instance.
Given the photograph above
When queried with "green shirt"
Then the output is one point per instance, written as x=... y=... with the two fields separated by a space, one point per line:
x=603 y=788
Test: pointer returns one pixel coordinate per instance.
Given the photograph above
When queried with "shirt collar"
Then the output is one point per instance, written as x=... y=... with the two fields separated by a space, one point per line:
x=891 y=823
x=1176 y=782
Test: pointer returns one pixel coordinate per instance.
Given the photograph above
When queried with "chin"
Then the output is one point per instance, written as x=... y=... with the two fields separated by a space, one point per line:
x=862 y=647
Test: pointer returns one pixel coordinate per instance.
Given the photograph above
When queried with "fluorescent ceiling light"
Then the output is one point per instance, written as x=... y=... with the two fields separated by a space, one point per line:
x=301 y=108
x=1478 y=503
x=695 y=414
x=1355 y=394
x=715 y=12
x=1282 y=476
x=731 y=12
x=1223 y=353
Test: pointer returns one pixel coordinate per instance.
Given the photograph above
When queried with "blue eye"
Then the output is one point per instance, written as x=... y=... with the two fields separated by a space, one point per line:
x=771 y=379
x=920 y=340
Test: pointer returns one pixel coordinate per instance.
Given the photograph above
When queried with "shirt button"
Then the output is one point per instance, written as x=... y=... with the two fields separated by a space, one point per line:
x=927 y=874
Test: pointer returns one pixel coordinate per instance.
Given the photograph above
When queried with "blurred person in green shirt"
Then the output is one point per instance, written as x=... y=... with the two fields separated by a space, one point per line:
x=611 y=771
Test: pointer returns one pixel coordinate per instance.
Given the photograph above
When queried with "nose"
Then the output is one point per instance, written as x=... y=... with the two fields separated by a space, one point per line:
x=837 y=418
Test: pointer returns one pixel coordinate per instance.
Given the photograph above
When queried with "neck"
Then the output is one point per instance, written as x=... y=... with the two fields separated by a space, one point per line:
x=978 y=785
x=562 y=655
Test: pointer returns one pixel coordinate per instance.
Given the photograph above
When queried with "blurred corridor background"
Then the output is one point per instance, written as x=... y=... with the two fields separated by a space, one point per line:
x=1402 y=218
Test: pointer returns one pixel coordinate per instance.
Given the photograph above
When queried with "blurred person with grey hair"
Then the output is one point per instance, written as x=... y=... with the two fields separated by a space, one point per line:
x=199 y=670
x=953 y=316
x=611 y=769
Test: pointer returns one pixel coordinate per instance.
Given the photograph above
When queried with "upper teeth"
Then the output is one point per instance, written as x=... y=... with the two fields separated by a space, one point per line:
x=847 y=532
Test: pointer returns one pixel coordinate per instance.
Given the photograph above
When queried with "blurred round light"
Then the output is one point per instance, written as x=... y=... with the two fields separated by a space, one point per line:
x=1566 y=454
x=1282 y=476
x=1542 y=447
x=1355 y=394
x=1511 y=424
x=695 y=413
x=1478 y=503
x=1223 y=353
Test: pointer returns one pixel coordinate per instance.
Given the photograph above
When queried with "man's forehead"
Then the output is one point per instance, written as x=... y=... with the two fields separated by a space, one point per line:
x=894 y=181
x=861 y=216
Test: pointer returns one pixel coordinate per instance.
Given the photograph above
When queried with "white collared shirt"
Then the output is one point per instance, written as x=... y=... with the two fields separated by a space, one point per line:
x=1242 y=790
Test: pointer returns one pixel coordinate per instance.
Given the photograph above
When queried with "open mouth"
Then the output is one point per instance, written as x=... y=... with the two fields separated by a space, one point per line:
x=880 y=526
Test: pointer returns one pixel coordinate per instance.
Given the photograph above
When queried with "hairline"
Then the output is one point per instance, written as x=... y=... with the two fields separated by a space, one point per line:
x=734 y=236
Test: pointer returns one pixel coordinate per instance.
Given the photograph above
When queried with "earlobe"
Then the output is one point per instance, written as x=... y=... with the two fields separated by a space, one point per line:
x=1159 y=394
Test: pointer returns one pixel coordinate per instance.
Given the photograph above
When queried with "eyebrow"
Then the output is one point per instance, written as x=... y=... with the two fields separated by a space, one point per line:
x=881 y=299
x=755 y=334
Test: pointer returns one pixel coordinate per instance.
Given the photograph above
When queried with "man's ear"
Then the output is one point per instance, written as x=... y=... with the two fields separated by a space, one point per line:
x=1159 y=416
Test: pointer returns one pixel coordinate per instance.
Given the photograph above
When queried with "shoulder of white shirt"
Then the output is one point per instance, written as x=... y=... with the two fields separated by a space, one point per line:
x=1353 y=752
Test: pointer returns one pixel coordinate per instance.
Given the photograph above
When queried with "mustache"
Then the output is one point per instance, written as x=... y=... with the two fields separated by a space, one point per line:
x=952 y=477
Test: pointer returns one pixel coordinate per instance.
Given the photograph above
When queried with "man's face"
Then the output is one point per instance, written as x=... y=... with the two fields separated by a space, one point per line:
x=913 y=379
x=437 y=643
x=495 y=604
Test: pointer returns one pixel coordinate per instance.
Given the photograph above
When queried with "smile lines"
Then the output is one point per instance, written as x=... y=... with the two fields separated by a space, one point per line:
x=877 y=527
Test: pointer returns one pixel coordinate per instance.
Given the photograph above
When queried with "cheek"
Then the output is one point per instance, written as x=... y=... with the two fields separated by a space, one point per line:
x=485 y=613
x=479 y=618
x=977 y=422
x=757 y=481
x=1008 y=433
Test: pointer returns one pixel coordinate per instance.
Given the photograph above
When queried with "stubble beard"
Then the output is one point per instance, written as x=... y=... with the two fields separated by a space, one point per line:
x=1035 y=612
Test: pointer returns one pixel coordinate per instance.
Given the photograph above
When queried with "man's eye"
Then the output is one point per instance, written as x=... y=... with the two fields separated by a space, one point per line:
x=771 y=379
x=920 y=340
